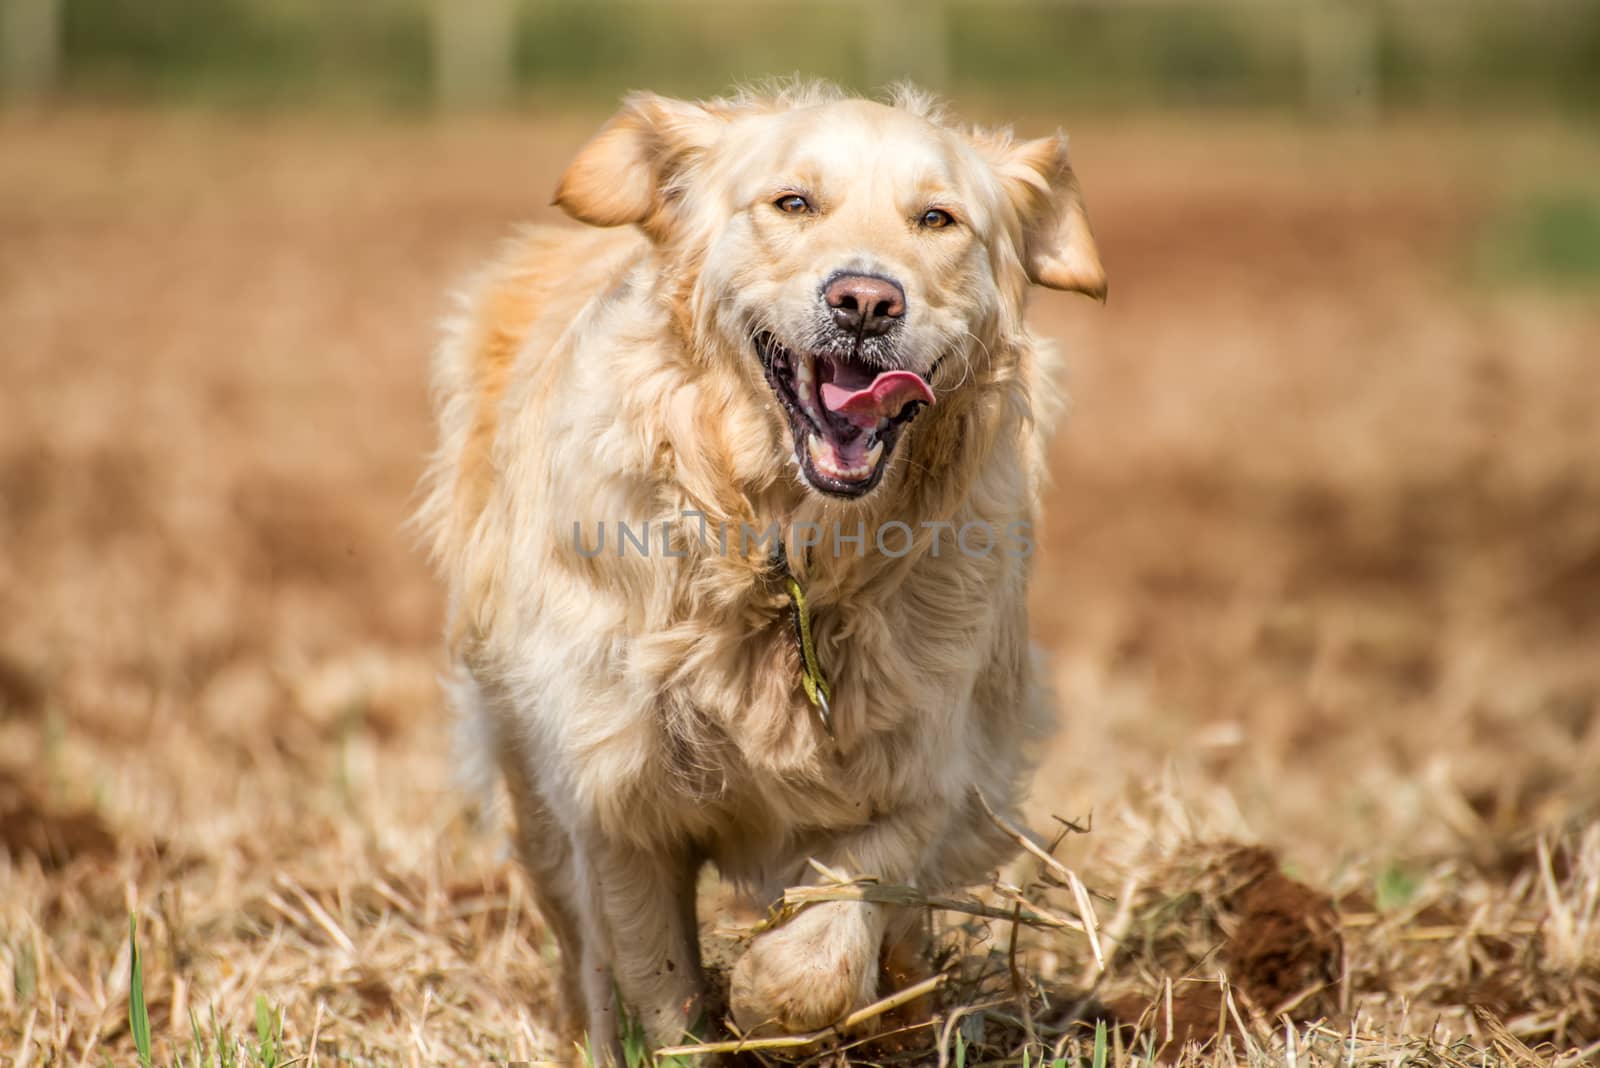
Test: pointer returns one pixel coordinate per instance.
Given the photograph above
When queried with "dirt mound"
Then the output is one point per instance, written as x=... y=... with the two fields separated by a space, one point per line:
x=1285 y=945
x=1227 y=925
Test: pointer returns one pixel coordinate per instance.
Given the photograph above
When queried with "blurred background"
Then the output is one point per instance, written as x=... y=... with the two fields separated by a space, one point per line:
x=1322 y=563
x=1364 y=56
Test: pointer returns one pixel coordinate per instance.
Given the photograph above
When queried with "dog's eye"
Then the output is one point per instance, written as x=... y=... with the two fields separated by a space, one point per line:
x=792 y=204
x=936 y=219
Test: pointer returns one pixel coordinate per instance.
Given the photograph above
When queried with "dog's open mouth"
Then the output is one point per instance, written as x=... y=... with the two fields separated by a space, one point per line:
x=846 y=414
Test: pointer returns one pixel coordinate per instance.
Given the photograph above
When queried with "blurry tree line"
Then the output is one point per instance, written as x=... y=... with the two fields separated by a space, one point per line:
x=1364 y=56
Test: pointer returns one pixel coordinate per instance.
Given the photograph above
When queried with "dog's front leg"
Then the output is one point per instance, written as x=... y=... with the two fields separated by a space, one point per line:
x=823 y=964
x=641 y=909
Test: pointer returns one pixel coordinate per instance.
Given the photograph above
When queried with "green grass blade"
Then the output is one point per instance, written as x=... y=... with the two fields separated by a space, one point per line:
x=1100 y=1051
x=199 y=1039
x=635 y=1048
x=24 y=970
x=269 y=1027
x=138 y=1011
x=226 y=1054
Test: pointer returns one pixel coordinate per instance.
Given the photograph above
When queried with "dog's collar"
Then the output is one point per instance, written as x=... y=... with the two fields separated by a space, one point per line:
x=812 y=679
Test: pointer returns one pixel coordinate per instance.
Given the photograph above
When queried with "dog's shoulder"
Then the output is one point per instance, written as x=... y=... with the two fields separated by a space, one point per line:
x=534 y=286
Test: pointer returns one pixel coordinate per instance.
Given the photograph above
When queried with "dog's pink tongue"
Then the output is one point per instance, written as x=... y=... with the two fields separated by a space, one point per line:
x=883 y=399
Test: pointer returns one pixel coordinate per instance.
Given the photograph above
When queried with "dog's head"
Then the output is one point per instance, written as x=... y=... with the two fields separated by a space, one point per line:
x=858 y=260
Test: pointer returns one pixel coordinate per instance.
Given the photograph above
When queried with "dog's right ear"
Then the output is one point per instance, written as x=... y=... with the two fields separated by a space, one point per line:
x=628 y=173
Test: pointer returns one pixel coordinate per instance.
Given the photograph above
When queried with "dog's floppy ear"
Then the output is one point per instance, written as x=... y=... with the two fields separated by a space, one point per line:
x=626 y=173
x=1058 y=248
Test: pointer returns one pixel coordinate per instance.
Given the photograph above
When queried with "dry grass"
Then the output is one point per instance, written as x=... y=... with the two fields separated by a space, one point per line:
x=1322 y=588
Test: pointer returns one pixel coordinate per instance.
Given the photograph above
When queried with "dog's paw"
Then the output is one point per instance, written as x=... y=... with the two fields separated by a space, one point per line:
x=809 y=973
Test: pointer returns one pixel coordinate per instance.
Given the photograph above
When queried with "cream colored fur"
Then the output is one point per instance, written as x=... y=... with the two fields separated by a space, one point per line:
x=646 y=713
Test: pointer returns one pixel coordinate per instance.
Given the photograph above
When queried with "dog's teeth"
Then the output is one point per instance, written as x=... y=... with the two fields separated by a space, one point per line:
x=804 y=388
x=815 y=451
x=824 y=460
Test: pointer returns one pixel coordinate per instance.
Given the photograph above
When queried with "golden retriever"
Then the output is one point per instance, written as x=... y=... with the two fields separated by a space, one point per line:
x=733 y=500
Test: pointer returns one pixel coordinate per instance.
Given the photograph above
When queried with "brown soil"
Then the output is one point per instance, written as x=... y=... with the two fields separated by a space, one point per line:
x=1321 y=572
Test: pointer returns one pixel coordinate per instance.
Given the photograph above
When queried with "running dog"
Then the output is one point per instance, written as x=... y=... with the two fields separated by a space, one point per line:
x=732 y=500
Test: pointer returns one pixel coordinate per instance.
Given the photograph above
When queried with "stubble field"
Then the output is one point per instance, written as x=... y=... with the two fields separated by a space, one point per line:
x=1320 y=585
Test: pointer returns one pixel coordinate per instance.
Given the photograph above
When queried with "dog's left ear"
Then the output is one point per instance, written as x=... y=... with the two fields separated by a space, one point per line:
x=627 y=172
x=1058 y=248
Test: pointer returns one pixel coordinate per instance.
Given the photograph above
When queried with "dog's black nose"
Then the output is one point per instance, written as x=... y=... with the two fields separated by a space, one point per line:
x=862 y=304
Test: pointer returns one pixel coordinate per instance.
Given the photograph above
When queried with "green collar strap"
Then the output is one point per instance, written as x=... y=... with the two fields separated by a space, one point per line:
x=811 y=677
